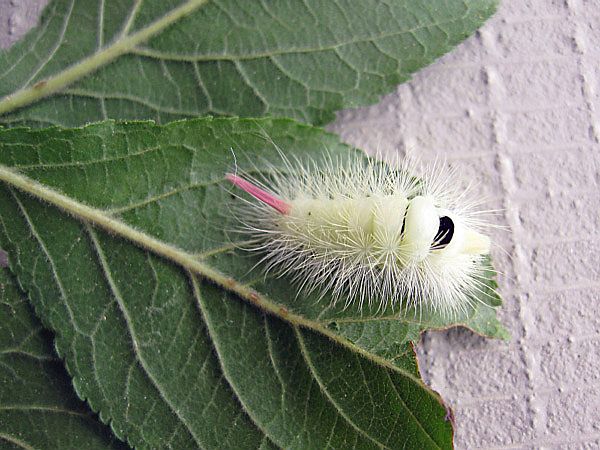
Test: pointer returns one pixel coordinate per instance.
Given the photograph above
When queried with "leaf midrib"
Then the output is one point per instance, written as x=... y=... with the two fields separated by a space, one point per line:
x=183 y=259
x=119 y=47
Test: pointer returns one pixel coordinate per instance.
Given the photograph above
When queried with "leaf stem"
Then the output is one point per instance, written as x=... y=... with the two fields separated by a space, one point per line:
x=118 y=48
x=187 y=261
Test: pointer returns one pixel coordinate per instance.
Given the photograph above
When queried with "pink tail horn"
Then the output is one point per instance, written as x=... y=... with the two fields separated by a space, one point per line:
x=259 y=194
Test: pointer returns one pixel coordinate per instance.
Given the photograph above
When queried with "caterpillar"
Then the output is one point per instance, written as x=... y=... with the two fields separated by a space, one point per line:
x=369 y=232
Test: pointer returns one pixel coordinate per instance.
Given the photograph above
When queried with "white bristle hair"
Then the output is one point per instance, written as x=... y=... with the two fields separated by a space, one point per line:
x=331 y=254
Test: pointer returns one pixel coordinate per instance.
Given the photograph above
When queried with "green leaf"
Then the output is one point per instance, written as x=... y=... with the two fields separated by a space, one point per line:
x=38 y=408
x=93 y=60
x=118 y=231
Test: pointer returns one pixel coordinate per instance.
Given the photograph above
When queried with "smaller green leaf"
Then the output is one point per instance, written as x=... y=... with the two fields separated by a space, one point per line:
x=38 y=408
x=185 y=58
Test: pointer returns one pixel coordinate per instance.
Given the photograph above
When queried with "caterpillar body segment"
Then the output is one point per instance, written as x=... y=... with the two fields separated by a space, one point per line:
x=369 y=234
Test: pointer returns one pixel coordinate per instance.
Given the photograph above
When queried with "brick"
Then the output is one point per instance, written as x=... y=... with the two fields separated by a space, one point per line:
x=556 y=170
x=485 y=373
x=520 y=40
x=570 y=363
x=565 y=314
x=494 y=423
x=542 y=84
x=555 y=126
x=574 y=413
x=539 y=217
x=434 y=91
x=566 y=264
x=525 y=9
x=455 y=135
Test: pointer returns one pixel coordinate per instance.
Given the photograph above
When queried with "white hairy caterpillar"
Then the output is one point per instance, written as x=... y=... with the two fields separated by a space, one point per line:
x=368 y=232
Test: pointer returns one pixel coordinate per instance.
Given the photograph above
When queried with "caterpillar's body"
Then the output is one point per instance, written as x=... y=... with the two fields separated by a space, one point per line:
x=365 y=232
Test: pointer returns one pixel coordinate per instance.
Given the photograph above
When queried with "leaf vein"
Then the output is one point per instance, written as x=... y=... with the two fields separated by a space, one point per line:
x=89 y=162
x=16 y=441
x=211 y=332
x=202 y=86
x=309 y=363
x=417 y=421
x=12 y=351
x=46 y=252
x=272 y=359
x=45 y=408
x=60 y=40
x=100 y=32
x=79 y=92
x=242 y=71
x=134 y=340
x=131 y=17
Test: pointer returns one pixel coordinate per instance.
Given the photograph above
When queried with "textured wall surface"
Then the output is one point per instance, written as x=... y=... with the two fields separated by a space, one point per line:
x=517 y=109
x=16 y=17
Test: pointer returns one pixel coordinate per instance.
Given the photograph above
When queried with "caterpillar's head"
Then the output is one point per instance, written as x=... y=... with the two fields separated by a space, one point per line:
x=429 y=229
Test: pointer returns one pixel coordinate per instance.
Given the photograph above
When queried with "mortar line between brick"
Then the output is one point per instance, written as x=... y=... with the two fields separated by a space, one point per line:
x=496 y=91
x=537 y=443
x=580 y=43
